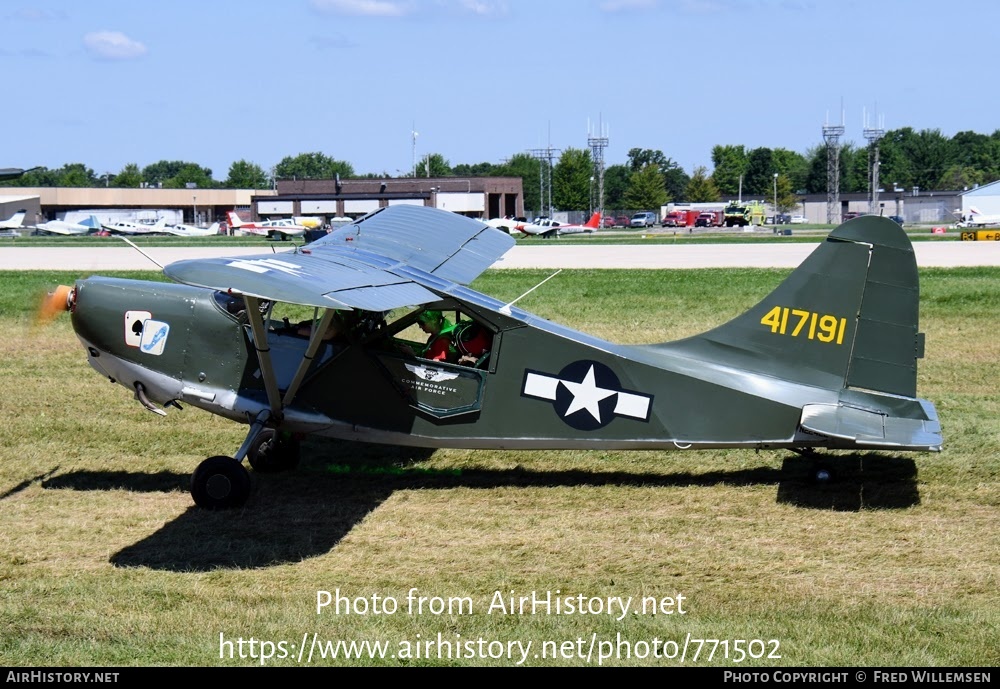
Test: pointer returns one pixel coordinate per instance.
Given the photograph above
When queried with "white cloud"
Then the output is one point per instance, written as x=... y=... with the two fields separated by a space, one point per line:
x=113 y=45
x=628 y=5
x=364 y=8
x=484 y=8
x=403 y=8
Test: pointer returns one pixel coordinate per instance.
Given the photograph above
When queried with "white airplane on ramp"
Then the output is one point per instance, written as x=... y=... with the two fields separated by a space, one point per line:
x=61 y=227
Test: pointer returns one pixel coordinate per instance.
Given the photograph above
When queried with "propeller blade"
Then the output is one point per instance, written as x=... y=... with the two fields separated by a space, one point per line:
x=56 y=301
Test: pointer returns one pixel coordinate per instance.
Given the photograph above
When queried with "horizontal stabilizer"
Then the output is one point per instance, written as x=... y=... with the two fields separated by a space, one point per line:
x=874 y=428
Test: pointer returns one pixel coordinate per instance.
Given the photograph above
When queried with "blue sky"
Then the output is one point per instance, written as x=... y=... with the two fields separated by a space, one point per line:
x=111 y=82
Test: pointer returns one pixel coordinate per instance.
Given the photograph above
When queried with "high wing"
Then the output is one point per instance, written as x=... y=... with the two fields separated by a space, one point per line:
x=390 y=258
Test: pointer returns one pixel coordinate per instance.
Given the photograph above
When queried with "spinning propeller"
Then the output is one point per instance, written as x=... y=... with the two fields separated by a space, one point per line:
x=62 y=298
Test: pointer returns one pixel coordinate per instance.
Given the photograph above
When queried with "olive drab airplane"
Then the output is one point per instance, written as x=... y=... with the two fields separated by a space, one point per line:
x=827 y=360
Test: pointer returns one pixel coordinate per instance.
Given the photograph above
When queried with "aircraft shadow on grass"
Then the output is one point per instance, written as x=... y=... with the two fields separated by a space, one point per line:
x=303 y=514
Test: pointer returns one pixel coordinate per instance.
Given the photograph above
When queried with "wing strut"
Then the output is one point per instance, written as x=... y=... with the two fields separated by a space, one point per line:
x=260 y=344
x=315 y=339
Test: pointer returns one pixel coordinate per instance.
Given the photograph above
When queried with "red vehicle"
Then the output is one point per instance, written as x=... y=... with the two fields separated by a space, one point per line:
x=675 y=219
x=709 y=219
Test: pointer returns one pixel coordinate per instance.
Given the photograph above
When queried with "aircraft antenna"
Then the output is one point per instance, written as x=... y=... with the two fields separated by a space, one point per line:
x=598 y=142
x=832 y=134
x=131 y=244
x=873 y=135
x=505 y=309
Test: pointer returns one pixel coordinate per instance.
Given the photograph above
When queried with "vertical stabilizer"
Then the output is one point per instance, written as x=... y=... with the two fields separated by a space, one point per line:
x=846 y=317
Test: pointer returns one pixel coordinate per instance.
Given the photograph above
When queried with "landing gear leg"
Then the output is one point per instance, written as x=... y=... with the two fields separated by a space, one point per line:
x=273 y=451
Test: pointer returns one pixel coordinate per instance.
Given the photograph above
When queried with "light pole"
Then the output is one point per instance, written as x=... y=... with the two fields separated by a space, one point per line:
x=775 y=198
x=194 y=218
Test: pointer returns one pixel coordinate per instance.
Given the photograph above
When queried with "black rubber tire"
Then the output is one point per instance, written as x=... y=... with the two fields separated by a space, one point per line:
x=272 y=451
x=220 y=483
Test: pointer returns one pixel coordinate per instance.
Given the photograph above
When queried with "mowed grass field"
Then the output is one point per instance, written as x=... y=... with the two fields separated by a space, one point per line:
x=105 y=561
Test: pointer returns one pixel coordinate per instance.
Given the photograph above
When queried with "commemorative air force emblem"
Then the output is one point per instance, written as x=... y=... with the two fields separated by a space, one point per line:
x=587 y=395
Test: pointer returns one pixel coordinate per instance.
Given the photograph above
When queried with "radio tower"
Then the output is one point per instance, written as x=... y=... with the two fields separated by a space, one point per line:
x=597 y=145
x=872 y=136
x=831 y=134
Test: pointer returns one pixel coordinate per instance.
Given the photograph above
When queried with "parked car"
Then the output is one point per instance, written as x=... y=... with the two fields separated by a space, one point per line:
x=608 y=221
x=643 y=219
x=622 y=221
x=798 y=220
x=898 y=219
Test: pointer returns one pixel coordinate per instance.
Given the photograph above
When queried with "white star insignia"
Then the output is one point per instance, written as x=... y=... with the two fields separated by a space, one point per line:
x=586 y=395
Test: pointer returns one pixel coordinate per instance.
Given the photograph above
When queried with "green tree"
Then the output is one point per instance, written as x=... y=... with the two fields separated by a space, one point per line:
x=645 y=190
x=852 y=177
x=247 y=175
x=927 y=154
x=793 y=165
x=730 y=163
x=571 y=180
x=475 y=170
x=163 y=171
x=639 y=158
x=675 y=180
x=759 y=175
x=787 y=199
x=312 y=166
x=978 y=152
x=960 y=177
x=434 y=165
x=526 y=167
x=38 y=177
x=701 y=188
x=75 y=175
x=191 y=173
x=129 y=177
x=616 y=180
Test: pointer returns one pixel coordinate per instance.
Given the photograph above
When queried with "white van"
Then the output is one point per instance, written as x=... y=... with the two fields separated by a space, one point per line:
x=643 y=219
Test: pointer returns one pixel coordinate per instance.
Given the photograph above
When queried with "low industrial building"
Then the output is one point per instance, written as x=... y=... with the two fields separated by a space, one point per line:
x=475 y=197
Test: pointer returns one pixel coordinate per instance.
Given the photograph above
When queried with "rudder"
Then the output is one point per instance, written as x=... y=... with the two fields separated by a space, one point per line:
x=846 y=317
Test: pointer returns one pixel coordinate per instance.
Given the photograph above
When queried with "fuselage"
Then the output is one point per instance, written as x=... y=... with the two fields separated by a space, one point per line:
x=544 y=386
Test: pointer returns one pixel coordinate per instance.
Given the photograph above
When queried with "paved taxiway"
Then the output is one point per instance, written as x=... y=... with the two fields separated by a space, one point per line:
x=556 y=255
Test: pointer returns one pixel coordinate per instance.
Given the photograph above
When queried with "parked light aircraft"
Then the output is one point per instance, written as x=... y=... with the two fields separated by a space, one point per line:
x=827 y=360
x=133 y=228
x=975 y=218
x=273 y=229
x=310 y=222
x=91 y=224
x=192 y=230
x=545 y=227
x=14 y=221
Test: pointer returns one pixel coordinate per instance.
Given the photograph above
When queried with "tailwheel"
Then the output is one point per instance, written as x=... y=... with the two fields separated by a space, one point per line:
x=820 y=468
x=273 y=451
x=220 y=483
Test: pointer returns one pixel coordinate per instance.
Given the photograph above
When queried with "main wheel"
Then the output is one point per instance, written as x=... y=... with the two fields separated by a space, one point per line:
x=220 y=483
x=273 y=451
